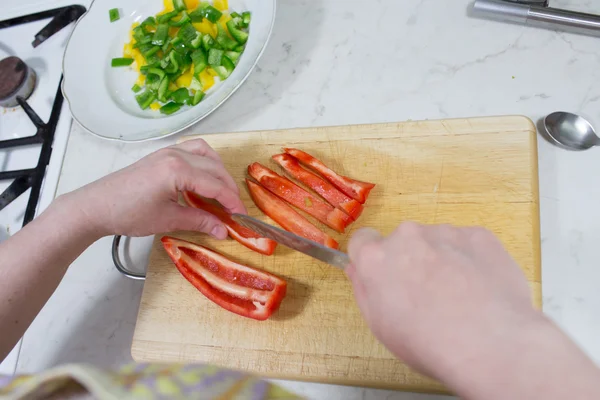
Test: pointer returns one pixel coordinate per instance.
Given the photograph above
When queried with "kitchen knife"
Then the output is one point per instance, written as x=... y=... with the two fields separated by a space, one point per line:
x=295 y=242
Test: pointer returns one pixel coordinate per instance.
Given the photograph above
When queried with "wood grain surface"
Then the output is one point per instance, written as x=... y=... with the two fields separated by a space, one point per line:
x=480 y=171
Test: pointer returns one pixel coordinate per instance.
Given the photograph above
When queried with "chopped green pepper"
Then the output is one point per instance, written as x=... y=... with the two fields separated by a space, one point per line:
x=150 y=52
x=113 y=14
x=179 y=5
x=136 y=88
x=161 y=19
x=180 y=96
x=145 y=40
x=246 y=19
x=150 y=21
x=214 y=57
x=145 y=99
x=240 y=48
x=225 y=69
x=197 y=42
x=161 y=35
x=138 y=33
x=163 y=89
x=238 y=22
x=170 y=108
x=211 y=14
x=198 y=96
x=152 y=82
x=184 y=18
x=153 y=60
x=235 y=15
x=208 y=42
x=197 y=15
x=200 y=61
x=195 y=85
x=176 y=40
x=121 y=62
x=224 y=40
x=165 y=47
x=187 y=33
x=238 y=34
x=233 y=56
x=156 y=71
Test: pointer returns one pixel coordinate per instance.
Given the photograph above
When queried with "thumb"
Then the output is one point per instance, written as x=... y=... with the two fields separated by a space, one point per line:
x=193 y=219
x=360 y=249
x=361 y=244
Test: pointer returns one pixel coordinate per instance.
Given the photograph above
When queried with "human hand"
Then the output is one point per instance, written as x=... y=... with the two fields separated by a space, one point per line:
x=439 y=297
x=142 y=199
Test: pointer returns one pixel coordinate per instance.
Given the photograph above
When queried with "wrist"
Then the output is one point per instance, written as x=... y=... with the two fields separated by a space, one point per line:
x=73 y=213
x=531 y=362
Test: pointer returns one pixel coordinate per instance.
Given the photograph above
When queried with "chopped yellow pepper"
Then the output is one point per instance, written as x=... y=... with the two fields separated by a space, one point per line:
x=221 y=5
x=127 y=50
x=168 y=7
x=192 y=4
x=185 y=80
x=206 y=80
x=140 y=61
x=206 y=27
x=155 y=106
x=141 y=80
x=211 y=71
x=172 y=87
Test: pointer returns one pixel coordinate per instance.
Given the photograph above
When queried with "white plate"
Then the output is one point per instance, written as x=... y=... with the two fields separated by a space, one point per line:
x=100 y=96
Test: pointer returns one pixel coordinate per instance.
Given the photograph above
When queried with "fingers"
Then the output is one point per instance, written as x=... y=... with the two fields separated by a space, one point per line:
x=206 y=185
x=199 y=147
x=192 y=219
x=363 y=239
x=210 y=166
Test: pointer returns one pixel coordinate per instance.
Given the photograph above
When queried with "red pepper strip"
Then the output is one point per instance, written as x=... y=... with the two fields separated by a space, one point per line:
x=356 y=189
x=243 y=235
x=240 y=289
x=325 y=189
x=285 y=215
x=296 y=196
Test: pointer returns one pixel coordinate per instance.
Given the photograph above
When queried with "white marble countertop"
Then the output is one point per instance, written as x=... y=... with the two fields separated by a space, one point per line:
x=334 y=62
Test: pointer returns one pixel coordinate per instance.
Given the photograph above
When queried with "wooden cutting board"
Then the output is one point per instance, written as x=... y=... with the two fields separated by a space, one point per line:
x=479 y=171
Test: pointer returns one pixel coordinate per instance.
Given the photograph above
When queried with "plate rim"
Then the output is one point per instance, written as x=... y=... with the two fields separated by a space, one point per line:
x=179 y=128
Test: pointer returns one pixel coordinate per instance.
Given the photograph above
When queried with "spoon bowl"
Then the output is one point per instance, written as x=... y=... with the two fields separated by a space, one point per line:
x=571 y=131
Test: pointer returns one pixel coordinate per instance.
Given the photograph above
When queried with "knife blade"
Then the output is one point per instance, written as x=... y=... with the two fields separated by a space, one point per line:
x=295 y=242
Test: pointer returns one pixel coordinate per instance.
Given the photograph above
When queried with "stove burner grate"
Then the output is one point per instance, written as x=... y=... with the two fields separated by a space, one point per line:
x=33 y=178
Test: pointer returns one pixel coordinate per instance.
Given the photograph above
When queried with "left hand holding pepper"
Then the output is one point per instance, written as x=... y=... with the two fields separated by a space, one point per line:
x=142 y=199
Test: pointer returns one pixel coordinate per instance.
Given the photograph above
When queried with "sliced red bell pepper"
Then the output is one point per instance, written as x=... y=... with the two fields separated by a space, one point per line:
x=296 y=196
x=323 y=188
x=243 y=235
x=285 y=215
x=356 y=189
x=235 y=287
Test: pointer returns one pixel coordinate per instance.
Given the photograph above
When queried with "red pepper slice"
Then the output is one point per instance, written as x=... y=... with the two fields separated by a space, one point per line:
x=356 y=189
x=285 y=215
x=235 y=287
x=296 y=196
x=243 y=235
x=325 y=189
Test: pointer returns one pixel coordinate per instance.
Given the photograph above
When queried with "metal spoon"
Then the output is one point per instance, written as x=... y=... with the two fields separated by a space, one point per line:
x=570 y=130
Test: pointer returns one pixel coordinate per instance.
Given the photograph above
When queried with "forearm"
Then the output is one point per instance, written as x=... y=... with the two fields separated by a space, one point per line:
x=33 y=262
x=540 y=361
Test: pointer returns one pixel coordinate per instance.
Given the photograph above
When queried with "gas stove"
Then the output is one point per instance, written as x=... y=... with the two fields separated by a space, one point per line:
x=35 y=121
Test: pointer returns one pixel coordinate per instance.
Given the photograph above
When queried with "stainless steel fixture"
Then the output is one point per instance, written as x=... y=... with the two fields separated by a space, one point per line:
x=537 y=13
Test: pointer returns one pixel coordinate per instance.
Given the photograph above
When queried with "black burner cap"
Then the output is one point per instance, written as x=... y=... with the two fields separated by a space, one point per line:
x=12 y=74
